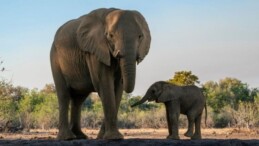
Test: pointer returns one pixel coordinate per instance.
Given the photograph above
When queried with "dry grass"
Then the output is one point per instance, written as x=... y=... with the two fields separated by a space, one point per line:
x=226 y=133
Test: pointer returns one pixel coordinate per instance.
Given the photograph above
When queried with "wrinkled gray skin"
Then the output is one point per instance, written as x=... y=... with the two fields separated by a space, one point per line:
x=97 y=52
x=187 y=100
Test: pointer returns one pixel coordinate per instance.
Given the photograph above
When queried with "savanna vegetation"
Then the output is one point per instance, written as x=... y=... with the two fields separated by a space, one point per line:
x=231 y=103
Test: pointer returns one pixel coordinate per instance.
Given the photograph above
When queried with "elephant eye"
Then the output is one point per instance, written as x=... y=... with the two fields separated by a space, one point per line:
x=109 y=35
x=140 y=36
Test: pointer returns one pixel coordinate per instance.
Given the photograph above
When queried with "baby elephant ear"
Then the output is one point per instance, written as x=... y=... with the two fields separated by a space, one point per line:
x=169 y=93
x=165 y=96
x=91 y=35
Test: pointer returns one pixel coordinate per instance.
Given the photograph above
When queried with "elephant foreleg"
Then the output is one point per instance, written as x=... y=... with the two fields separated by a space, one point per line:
x=118 y=95
x=63 y=101
x=108 y=99
x=64 y=131
x=110 y=118
x=102 y=131
x=172 y=118
x=168 y=121
x=75 y=123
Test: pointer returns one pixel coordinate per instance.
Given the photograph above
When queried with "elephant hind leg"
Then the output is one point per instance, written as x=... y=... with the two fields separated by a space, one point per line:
x=197 y=133
x=75 y=121
x=189 y=132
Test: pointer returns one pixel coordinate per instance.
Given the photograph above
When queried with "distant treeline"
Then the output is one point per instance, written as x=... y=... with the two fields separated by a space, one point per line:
x=230 y=102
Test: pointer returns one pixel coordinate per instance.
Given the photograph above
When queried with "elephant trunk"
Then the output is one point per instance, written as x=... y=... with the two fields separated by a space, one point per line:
x=144 y=99
x=128 y=70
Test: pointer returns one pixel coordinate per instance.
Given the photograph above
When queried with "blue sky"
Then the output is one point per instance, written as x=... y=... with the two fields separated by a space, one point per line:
x=214 y=39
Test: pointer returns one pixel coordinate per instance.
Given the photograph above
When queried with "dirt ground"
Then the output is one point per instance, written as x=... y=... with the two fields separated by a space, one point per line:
x=228 y=136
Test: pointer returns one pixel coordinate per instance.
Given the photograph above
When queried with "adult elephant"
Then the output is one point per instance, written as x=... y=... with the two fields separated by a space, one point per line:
x=97 y=53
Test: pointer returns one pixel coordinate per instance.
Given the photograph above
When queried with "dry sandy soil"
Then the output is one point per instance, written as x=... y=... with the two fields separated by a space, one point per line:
x=211 y=137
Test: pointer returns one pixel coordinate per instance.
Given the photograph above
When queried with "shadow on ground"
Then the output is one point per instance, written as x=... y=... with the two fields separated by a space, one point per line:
x=133 y=142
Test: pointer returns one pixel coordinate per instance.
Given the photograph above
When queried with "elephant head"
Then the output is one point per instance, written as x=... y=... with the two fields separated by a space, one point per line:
x=114 y=33
x=160 y=91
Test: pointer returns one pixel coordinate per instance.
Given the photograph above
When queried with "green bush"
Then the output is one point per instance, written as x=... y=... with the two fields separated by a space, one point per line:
x=230 y=103
x=221 y=120
x=46 y=112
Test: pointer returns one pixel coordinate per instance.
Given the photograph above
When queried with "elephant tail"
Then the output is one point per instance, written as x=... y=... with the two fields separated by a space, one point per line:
x=205 y=106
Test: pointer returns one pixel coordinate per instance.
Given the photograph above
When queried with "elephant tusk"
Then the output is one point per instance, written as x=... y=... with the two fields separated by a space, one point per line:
x=116 y=53
x=139 y=60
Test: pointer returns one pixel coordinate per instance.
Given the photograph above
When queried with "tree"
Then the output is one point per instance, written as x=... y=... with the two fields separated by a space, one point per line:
x=49 y=88
x=228 y=91
x=9 y=102
x=46 y=112
x=230 y=99
x=27 y=107
x=183 y=78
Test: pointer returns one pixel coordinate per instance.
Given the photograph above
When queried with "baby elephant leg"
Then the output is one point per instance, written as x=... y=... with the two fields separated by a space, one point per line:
x=174 y=125
x=172 y=119
x=191 y=118
x=197 y=133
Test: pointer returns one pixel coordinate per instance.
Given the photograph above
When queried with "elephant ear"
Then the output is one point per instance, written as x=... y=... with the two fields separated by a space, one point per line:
x=91 y=35
x=169 y=93
x=146 y=37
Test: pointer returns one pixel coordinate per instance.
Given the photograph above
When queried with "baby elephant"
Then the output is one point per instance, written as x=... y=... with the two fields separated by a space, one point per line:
x=187 y=100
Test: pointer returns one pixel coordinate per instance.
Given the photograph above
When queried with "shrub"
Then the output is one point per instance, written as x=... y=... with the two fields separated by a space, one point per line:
x=221 y=119
x=46 y=112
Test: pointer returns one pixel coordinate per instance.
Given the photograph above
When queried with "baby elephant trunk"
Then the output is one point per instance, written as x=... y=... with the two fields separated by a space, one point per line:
x=144 y=99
